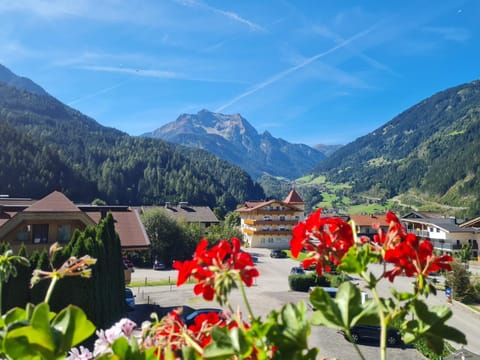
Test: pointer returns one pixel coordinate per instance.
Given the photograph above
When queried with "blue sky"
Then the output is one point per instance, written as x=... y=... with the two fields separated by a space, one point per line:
x=307 y=71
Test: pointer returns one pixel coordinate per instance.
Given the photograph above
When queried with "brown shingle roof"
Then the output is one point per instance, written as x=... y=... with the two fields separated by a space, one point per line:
x=369 y=220
x=293 y=198
x=54 y=202
x=128 y=226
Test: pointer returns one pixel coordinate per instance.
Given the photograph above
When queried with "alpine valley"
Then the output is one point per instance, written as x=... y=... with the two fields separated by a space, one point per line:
x=425 y=158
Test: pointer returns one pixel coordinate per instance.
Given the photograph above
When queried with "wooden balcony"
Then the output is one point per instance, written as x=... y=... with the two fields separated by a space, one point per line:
x=252 y=222
x=272 y=232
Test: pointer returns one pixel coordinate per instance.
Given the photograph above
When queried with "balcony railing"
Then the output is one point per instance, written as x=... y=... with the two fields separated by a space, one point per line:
x=446 y=246
x=420 y=233
x=274 y=232
x=269 y=222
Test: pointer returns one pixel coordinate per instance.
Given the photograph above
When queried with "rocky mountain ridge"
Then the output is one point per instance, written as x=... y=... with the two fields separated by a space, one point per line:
x=234 y=139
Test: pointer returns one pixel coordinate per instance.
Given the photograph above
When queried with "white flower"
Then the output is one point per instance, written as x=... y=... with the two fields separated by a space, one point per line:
x=102 y=346
x=127 y=326
x=82 y=354
x=106 y=338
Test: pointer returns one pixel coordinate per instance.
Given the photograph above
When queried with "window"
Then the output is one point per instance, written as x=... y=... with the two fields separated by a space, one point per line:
x=270 y=240
x=267 y=218
x=282 y=217
x=40 y=233
x=64 y=233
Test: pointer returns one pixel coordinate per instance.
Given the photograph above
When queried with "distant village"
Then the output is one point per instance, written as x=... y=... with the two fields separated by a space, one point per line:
x=264 y=224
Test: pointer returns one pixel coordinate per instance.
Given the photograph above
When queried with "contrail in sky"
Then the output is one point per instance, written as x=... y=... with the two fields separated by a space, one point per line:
x=103 y=91
x=284 y=73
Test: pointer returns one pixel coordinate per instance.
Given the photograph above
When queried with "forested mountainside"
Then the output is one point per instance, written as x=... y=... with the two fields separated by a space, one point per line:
x=432 y=147
x=48 y=146
x=9 y=78
x=234 y=139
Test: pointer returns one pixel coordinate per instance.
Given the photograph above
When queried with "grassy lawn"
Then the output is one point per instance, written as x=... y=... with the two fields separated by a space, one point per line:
x=301 y=256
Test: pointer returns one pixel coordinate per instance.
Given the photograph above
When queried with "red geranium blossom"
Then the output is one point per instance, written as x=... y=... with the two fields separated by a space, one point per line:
x=415 y=257
x=327 y=240
x=216 y=269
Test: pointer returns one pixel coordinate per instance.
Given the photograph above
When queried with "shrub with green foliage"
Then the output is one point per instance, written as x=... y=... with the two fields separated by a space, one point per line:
x=304 y=282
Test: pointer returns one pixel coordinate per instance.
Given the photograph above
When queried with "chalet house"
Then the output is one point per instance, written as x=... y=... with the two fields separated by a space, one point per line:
x=39 y=224
x=364 y=224
x=184 y=212
x=444 y=232
x=269 y=224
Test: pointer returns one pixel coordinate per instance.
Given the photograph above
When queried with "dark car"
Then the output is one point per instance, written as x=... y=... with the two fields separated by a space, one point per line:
x=279 y=254
x=159 y=265
x=128 y=264
x=129 y=299
x=371 y=333
x=190 y=318
x=296 y=270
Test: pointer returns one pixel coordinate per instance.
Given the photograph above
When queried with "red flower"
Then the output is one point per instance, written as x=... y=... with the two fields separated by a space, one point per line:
x=216 y=269
x=326 y=239
x=415 y=258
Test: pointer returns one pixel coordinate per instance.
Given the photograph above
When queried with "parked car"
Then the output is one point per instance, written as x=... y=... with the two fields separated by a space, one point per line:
x=130 y=299
x=297 y=270
x=128 y=264
x=190 y=318
x=159 y=265
x=371 y=333
x=280 y=254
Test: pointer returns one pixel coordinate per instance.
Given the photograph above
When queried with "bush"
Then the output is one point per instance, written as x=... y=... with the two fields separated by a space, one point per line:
x=304 y=282
x=459 y=281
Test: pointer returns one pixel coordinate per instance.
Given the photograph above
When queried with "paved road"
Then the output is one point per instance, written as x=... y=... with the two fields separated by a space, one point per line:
x=271 y=291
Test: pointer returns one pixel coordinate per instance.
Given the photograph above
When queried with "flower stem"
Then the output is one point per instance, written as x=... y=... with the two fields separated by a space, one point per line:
x=244 y=295
x=50 y=289
x=193 y=343
x=383 y=325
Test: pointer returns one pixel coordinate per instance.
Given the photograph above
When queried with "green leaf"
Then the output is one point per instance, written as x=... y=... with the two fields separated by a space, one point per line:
x=189 y=353
x=343 y=312
x=221 y=347
x=120 y=347
x=429 y=323
x=15 y=315
x=402 y=296
x=295 y=325
x=74 y=327
x=239 y=341
x=356 y=260
x=38 y=333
